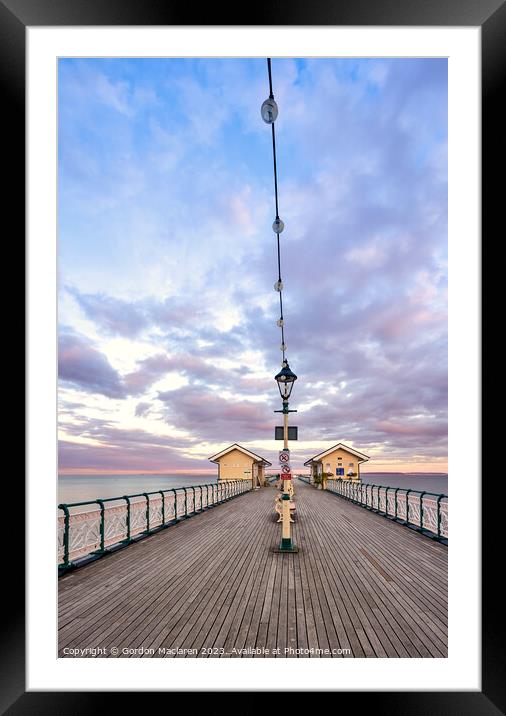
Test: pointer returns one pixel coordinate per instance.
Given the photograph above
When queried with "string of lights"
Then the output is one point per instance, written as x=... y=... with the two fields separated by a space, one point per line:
x=269 y=113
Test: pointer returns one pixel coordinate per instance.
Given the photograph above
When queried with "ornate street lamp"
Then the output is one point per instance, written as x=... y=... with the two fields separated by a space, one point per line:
x=285 y=379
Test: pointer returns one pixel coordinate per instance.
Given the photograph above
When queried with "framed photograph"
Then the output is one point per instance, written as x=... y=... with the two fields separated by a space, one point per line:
x=177 y=173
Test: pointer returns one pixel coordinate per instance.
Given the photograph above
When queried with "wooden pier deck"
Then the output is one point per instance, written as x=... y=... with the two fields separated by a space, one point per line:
x=361 y=586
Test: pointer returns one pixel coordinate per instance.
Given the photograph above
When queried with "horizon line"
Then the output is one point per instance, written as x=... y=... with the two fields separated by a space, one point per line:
x=75 y=471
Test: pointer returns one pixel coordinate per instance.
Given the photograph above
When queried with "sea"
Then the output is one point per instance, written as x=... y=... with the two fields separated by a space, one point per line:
x=79 y=488
x=423 y=481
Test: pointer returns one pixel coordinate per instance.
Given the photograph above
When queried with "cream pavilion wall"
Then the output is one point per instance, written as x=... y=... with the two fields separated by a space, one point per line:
x=235 y=465
x=341 y=458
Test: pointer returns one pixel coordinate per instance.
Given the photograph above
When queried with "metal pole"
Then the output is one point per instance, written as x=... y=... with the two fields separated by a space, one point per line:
x=102 y=526
x=127 y=500
x=66 y=527
x=286 y=536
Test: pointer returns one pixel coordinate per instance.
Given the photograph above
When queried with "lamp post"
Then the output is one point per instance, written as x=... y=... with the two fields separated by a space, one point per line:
x=285 y=380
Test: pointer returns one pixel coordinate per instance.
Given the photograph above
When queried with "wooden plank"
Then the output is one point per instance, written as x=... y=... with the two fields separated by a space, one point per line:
x=360 y=607
x=246 y=635
x=318 y=601
x=135 y=561
x=222 y=610
x=359 y=582
x=263 y=625
x=351 y=633
x=153 y=584
x=175 y=630
x=377 y=588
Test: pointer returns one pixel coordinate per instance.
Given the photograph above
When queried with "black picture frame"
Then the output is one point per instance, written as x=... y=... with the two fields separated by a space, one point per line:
x=490 y=15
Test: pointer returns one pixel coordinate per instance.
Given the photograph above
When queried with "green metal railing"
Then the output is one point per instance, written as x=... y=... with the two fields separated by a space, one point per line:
x=425 y=512
x=114 y=522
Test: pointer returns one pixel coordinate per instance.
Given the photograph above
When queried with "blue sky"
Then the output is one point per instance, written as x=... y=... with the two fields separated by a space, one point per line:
x=168 y=337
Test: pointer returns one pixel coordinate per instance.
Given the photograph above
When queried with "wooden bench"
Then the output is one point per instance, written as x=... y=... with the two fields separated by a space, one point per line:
x=278 y=507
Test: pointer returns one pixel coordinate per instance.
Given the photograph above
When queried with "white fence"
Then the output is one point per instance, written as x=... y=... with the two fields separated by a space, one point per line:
x=426 y=511
x=111 y=521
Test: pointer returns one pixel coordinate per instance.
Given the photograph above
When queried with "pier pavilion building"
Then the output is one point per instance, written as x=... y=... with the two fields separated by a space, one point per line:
x=237 y=463
x=340 y=460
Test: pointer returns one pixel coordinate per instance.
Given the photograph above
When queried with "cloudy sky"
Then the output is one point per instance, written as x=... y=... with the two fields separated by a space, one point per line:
x=167 y=260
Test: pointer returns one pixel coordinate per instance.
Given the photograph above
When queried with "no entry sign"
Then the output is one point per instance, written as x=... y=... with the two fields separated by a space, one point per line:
x=284 y=457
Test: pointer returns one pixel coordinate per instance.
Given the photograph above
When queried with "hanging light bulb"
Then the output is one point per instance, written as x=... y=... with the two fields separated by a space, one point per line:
x=283 y=347
x=278 y=225
x=278 y=286
x=280 y=322
x=269 y=111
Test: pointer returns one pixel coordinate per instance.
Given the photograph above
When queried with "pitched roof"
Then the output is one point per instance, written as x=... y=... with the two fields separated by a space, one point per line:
x=362 y=457
x=236 y=446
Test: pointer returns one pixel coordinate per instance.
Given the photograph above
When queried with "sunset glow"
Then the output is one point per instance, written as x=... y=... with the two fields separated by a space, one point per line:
x=168 y=341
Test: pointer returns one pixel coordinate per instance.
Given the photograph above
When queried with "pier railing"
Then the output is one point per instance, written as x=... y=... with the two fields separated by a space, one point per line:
x=426 y=512
x=95 y=527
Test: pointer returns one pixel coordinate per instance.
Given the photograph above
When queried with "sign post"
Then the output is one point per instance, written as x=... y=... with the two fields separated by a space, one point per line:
x=286 y=477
